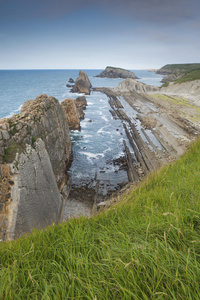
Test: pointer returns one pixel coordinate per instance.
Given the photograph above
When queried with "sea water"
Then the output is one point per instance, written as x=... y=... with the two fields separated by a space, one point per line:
x=101 y=137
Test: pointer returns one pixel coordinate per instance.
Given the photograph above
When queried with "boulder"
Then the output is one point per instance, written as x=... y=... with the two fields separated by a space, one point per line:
x=82 y=84
x=112 y=72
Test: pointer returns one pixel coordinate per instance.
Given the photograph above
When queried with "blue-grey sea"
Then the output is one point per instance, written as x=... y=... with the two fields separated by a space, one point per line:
x=99 y=141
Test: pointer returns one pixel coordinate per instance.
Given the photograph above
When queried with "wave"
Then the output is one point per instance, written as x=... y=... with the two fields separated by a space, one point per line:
x=16 y=111
x=104 y=118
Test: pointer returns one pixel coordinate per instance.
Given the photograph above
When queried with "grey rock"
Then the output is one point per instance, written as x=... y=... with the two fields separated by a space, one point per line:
x=112 y=72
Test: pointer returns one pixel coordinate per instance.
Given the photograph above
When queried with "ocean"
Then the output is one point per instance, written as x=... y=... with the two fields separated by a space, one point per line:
x=101 y=137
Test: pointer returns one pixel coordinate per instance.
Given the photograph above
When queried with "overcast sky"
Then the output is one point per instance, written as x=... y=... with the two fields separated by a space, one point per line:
x=91 y=34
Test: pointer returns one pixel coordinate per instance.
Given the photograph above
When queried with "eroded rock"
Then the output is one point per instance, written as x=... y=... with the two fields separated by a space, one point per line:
x=82 y=84
x=71 y=113
x=112 y=72
x=34 y=160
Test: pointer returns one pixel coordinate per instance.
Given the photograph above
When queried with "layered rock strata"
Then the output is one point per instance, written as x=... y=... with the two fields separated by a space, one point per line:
x=74 y=111
x=112 y=72
x=35 y=151
x=82 y=84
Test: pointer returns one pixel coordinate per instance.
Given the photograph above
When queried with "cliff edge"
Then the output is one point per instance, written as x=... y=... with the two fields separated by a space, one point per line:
x=35 y=151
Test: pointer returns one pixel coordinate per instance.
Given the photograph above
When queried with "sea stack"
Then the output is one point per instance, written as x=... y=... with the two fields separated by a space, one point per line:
x=82 y=84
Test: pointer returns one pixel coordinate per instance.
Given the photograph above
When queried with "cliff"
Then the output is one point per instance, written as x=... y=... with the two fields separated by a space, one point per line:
x=74 y=111
x=82 y=84
x=35 y=151
x=180 y=72
x=112 y=72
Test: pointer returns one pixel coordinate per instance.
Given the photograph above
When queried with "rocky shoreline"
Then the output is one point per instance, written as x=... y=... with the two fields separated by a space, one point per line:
x=36 y=151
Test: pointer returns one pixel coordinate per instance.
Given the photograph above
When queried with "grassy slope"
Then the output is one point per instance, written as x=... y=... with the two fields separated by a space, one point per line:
x=189 y=72
x=146 y=247
x=174 y=67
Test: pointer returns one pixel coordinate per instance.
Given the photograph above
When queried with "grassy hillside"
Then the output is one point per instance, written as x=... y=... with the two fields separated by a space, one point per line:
x=181 y=67
x=188 y=72
x=189 y=76
x=146 y=247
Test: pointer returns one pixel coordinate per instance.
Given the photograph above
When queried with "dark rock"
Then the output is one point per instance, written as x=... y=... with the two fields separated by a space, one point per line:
x=112 y=72
x=71 y=80
x=69 y=85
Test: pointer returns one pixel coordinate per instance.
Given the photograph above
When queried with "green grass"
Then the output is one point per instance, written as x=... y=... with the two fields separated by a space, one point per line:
x=188 y=72
x=145 y=247
x=183 y=67
x=190 y=76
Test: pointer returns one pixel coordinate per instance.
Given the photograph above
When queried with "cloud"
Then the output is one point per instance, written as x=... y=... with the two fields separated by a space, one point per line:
x=145 y=10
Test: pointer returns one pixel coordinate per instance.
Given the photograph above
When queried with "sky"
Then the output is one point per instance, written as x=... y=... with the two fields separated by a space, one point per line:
x=93 y=34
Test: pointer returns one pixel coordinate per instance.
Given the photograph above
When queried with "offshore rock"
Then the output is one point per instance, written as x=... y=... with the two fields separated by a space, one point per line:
x=74 y=111
x=71 y=80
x=81 y=104
x=71 y=113
x=82 y=84
x=34 y=159
x=112 y=72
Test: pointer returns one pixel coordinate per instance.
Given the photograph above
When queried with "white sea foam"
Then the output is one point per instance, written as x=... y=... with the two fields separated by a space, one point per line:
x=104 y=118
x=14 y=112
x=92 y=156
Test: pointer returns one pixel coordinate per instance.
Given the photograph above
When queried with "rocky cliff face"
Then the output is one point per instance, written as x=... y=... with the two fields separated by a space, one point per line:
x=74 y=111
x=82 y=84
x=35 y=151
x=71 y=113
x=112 y=72
x=81 y=104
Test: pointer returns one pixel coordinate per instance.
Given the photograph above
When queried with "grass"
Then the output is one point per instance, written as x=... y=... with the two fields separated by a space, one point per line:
x=145 y=247
x=190 y=76
x=181 y=67
x=188 y=72
x=10 y=152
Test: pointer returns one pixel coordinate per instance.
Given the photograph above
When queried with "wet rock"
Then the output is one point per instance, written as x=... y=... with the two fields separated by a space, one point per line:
x=69 y=85
x=71 y=80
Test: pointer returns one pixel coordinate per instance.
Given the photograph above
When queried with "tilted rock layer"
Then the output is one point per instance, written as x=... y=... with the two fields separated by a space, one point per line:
x=35 y=153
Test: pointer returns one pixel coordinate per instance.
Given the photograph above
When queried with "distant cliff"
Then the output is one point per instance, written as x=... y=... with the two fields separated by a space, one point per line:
x=35 y=151
x=112 y=72
x=180 y=72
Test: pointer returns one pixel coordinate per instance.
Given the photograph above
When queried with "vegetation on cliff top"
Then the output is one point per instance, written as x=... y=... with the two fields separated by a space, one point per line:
x=188 y=72
x=145 y=247
x=183 y=67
